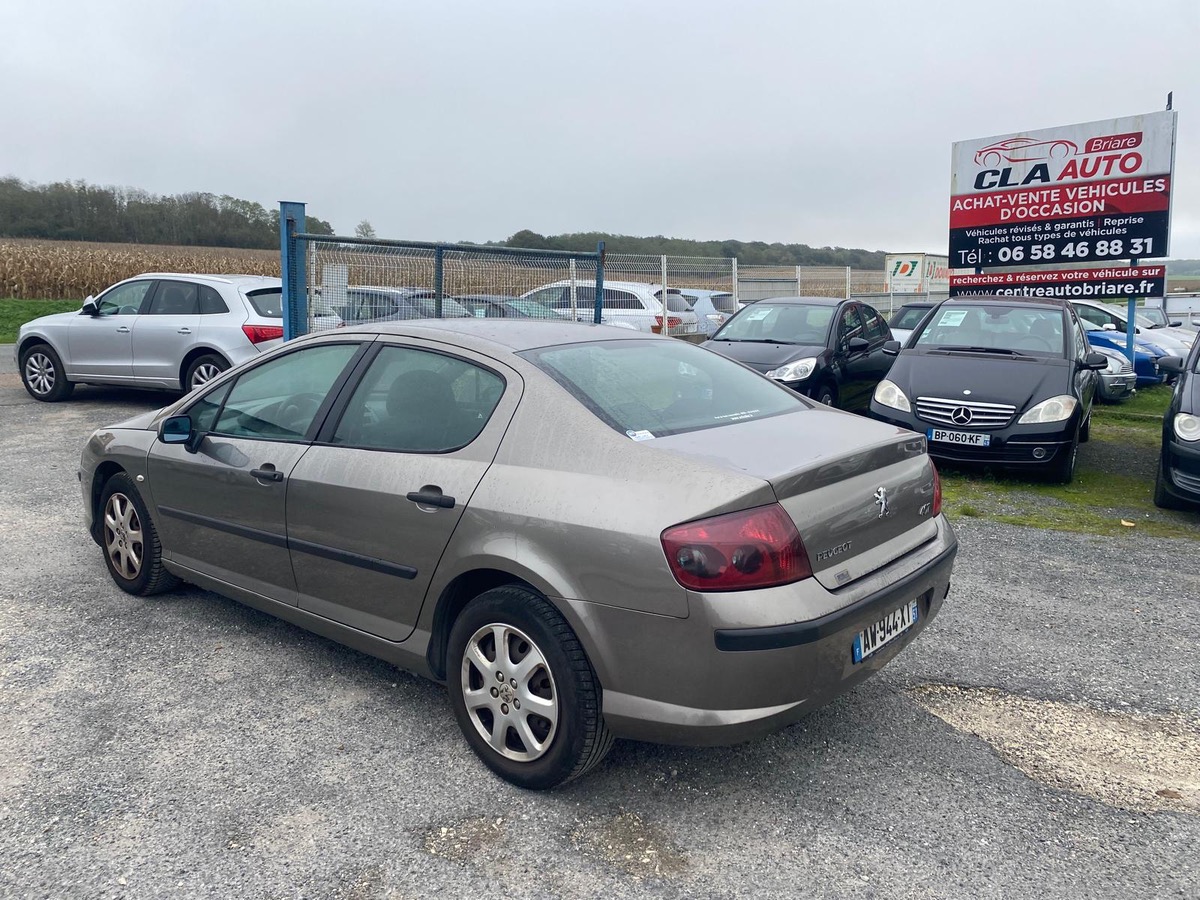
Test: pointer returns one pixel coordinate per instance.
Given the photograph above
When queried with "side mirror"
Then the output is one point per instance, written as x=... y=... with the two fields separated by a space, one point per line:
x=179 y=430
x=1175 y=323
x=1173 y=364
x=858 y=345
x=1109 y=326
x=1096 y=361
x=89 y=307
x=891 y=348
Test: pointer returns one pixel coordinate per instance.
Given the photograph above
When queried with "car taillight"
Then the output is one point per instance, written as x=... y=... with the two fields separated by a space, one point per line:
x=259 y=333
x=937 y=490
x=672 y=322
x=754 y=548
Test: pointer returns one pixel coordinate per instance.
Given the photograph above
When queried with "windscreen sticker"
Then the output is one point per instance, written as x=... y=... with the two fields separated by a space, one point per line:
x=640 y=435
x=952 y=318
x=757 y=315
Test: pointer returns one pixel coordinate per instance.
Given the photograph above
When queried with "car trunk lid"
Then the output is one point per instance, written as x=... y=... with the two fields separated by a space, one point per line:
x=860 y=492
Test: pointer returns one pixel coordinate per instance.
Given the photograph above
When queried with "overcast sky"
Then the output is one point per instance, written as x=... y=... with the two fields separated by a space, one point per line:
x=820 y=123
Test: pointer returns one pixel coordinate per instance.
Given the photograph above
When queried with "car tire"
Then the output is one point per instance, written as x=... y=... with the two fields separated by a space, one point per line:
x=43 y=375
x=129 y=540
x=1163 y=499
x=1062 y=468
x=203 y=370
x=560 y=735
x=826 y=394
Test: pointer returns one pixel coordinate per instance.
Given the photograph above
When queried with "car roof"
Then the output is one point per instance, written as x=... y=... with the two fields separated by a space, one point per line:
x=238 y=280
x=627 y=285
x=492 y=335
x=807 y=301
x=488 y=298
x=992 y=300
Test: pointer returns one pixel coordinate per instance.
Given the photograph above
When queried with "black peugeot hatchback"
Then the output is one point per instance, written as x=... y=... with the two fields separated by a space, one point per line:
x=1178 y=481
x=997 y=380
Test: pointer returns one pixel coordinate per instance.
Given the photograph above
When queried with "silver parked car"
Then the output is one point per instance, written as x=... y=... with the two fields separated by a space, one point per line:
x=158 y=330
x=584 y=531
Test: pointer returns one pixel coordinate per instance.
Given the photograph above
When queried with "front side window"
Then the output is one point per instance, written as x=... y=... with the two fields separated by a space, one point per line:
x=647 y=389
x=175 y=298
x=849 y=325
x=278 y=400
x=125 y=299
x=876 y=329
x=551 y=297
x=416 y=401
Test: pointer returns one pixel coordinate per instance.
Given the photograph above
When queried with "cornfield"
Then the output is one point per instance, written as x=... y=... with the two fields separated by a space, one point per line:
x=70 y=270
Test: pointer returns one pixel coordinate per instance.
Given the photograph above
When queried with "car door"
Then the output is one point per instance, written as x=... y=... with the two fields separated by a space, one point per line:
x=853 y=367
x=221 y=504
x=166 y=330
x=102 y=345
x=1087 y=381
x=372 y=506
x=877 y=333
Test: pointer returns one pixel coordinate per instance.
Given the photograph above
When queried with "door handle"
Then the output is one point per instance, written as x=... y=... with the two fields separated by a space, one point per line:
x=124 y=329
x=431 y=498
x=184 y=331
x=267 y=473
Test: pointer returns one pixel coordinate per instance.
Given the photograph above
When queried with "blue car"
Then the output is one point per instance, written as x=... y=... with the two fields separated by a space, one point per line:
x=1147 y=353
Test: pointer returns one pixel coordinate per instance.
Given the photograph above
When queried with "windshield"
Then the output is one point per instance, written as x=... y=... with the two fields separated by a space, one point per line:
x=1155 y=316
x=909 y=317
x=653 y=388
x=791 y=323
x=995 y=327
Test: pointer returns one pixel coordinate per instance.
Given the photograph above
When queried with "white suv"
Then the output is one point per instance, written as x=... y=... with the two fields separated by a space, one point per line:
x=158 y=330
x=629 y=304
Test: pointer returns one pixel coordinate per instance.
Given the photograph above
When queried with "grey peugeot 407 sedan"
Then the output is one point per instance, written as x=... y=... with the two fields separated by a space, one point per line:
x=585 y=532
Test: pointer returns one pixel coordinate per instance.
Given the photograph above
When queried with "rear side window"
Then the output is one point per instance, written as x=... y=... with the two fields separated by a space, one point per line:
x=676 y=303
x=415 y=401
x=615 y=299
x=267 y=303
x=211 y=303
x=174 y=298
x=647 y=389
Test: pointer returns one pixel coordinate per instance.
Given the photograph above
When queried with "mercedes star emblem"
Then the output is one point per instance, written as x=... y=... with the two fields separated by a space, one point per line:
x=961 y=416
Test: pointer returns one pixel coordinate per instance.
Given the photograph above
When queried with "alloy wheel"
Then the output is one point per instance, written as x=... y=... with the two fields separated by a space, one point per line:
x=123 y=540
x=509 y=692
x=40 y=372
x=204 y=373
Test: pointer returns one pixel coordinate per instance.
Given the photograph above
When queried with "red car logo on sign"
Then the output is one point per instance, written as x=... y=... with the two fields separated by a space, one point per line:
x=1021 y=149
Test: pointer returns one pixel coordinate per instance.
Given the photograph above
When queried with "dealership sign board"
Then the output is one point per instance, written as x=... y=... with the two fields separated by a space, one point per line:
x=1095 y=192
x=917 y=273
x=1102 y=283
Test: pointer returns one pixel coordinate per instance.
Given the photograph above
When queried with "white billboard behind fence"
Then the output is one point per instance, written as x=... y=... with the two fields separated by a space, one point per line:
x=917 y=273
x=1094 y=192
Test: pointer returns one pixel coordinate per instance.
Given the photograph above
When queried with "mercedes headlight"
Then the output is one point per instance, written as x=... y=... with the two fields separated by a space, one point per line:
x=794 y=371
x=887 y=393
x=1187 y=427
x=1056 y=409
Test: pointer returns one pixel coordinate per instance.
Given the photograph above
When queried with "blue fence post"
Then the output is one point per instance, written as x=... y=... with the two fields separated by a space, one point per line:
x=439 y=276
x=1131 y=321
x=599 y=303
x=293 y=269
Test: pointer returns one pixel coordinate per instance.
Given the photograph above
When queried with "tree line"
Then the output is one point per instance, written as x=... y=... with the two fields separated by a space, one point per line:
x=748 y=253
x=78 y=211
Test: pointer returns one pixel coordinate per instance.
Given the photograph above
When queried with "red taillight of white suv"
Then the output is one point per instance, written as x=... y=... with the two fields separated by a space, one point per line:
x=754 y=548
x=672 y=322
x=259 y=333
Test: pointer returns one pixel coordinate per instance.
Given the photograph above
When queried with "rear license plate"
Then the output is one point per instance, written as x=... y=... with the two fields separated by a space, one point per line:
x=886 y=630
x=965 y=438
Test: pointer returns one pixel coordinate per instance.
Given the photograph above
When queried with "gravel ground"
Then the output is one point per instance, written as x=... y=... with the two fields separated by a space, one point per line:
x=188 y=746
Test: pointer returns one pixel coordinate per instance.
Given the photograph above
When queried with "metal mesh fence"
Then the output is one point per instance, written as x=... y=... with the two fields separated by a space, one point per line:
x=700 y=291
x=352 y=282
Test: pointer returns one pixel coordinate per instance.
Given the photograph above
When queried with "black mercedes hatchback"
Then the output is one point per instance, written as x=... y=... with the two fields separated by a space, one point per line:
x=996 y=380
x=1177 y=484
x=828 y=349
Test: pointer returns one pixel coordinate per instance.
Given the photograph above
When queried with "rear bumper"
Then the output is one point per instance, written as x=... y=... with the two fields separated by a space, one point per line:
x=744 y=664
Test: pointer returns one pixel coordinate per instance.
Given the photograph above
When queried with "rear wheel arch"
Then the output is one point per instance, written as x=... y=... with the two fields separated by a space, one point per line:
x=453 y=600
x=194 y=354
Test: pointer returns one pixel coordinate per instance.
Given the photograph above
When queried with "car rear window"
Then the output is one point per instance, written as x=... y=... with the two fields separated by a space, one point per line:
x=654 y=388
x=267 y=302
x=909 y=317
x=676 y=303
x=724 y=303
